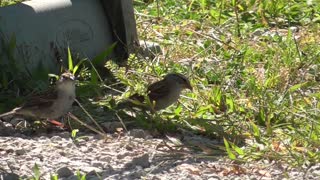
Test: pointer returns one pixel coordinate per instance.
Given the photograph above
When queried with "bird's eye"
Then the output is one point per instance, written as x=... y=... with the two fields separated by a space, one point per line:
x=185 y=81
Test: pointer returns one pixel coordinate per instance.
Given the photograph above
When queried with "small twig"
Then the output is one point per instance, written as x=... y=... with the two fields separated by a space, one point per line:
x=158 y=9
x=9 y=166
x=297 y=46
x=95 y=122
x=115 y=84
x=68 y=120
x=124 y=126
x=94 y=68
x=86 y=125
x=189 y=109
x=237 y=18
x=144 y=15
x=214 y=38
x=109 y=87
x=171 y=150
x=144 y=73
x=220 y=12
x=155 y=167
x=186 y=97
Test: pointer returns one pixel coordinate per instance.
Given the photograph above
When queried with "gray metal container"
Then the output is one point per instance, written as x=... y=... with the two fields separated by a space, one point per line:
x=43 y=30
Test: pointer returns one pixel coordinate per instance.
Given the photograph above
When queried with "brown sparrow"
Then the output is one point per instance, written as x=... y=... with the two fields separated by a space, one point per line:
x=162 y=93
x=51 y=104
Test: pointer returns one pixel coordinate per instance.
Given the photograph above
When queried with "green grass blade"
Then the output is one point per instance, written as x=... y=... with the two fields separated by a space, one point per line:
x=36 y=171
x=101 y=57
x=255 y=129
x=70 y=62
x=228 y=149
x=76 y=67
x=298 y=86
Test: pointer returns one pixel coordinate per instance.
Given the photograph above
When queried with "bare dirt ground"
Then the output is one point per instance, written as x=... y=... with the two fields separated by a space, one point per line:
x=132 y=155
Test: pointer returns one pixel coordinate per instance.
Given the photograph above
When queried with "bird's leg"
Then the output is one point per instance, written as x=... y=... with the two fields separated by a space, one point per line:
x=56 y=123
x=151 y=105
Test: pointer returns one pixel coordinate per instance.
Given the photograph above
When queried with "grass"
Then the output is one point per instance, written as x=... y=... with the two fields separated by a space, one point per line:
x=254 y=74
x=254 y=66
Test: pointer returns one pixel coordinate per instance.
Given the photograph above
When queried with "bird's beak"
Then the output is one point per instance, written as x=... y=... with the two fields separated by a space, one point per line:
x=188 y=86
x=67 y=76
x=72 y=78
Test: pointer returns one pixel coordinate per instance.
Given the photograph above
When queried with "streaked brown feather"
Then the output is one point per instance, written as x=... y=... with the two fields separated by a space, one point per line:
x=158 y=90
x=164 y=92
x=44 y=99
x=137 y=97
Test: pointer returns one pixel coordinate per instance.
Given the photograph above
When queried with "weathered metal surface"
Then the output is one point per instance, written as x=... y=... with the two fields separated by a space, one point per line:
x=121 y=17
x=43 y=30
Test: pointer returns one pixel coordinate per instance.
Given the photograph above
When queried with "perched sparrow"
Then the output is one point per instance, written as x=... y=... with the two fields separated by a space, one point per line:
x=51 y=104
x=162 y=93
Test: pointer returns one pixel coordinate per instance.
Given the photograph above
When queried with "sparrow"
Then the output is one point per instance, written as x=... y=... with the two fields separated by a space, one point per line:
x=51 y=104
x=162 y=93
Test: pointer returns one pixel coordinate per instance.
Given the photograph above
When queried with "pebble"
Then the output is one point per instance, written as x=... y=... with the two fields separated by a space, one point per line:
x=92 y=178
x=111 y=126
x=142 y=161
x=97 y=164
x=148 y=49
x=9 y=176
x=137 y=133
x=56 y=138
x=73 y=177
x=64 y=172
x=20 y=152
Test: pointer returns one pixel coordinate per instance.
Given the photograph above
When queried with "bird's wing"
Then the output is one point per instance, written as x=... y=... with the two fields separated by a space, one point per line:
x=155 y=91
x=137 y=97
x=44 y=99
x=158 y=90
